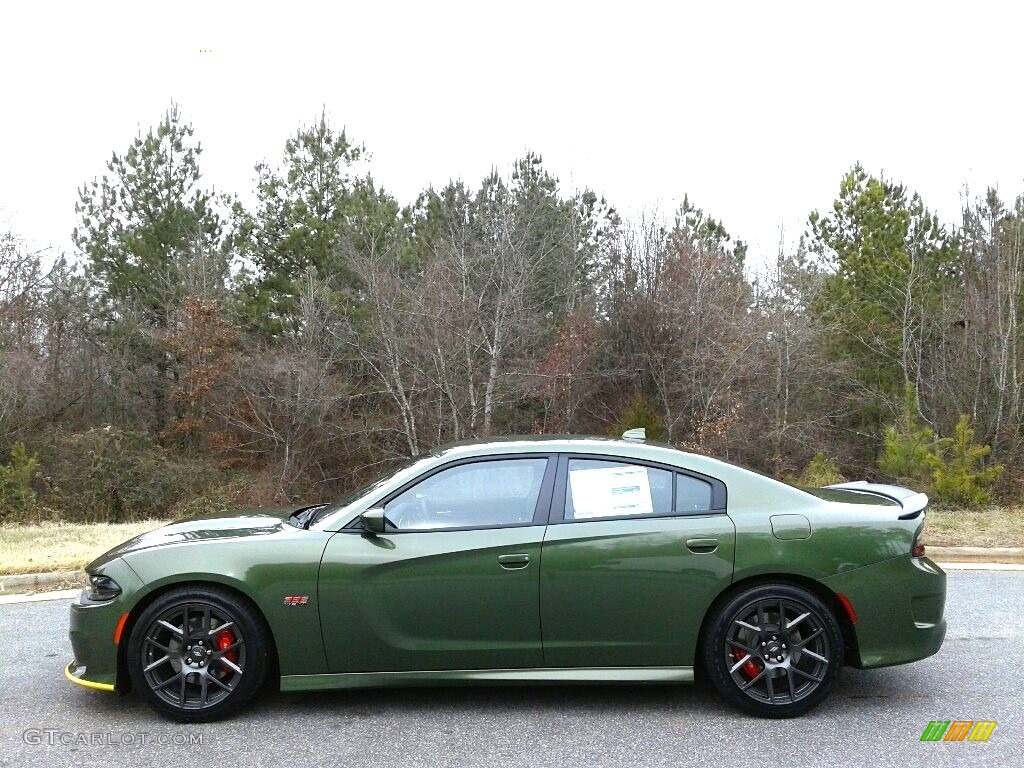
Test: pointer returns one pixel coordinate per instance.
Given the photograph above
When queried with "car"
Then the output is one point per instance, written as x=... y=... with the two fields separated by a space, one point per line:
x=524 y=559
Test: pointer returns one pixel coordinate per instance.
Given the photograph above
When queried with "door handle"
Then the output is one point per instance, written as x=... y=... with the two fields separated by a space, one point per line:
x=513 y=562
x=702 y=545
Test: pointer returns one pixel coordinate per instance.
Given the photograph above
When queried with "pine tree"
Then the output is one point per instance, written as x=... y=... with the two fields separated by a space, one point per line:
x=888 y=257
x=818 y=473
x=16 y=493
x=145 y=222
x=910 y=449
x=151 y=235
x=962 y=478
x=639 y=413
x=310 y=214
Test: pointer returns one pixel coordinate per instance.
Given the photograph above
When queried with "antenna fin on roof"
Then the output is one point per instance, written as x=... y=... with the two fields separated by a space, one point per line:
x=638 y=434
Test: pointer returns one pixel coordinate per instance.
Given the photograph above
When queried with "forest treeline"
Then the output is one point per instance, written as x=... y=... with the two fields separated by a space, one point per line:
x=199 y=351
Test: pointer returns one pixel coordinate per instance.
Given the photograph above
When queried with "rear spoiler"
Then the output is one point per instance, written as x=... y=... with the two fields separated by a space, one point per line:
x=913 y=503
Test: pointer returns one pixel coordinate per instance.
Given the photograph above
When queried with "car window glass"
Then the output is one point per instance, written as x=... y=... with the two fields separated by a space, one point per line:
x=599 y=488
x=692 y=495
x=479 y=494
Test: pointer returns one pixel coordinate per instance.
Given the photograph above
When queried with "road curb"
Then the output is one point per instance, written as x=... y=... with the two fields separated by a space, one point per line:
x=23 y=582
x=1005 y=555
x=39 y=597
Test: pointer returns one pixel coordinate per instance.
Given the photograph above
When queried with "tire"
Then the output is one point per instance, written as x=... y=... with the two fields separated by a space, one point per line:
x=208 y=672
x=770 y=667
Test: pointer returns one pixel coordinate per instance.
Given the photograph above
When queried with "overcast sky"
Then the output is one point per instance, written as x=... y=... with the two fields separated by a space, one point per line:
x=754 y=109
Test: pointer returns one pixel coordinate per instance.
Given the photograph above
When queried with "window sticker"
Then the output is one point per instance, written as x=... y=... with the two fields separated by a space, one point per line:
x=610 y=492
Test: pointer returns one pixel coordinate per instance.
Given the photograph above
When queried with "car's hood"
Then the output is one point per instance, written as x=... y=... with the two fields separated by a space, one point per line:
x=241 y=524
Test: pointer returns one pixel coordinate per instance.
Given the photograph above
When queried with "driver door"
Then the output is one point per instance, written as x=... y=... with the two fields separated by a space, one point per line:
x=453 y=582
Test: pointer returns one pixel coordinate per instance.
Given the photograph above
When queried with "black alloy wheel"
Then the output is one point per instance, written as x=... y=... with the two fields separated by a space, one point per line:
x=198 y=654
x=774 y=650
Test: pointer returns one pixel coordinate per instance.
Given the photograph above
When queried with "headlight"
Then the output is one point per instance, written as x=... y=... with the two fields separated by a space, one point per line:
x=102 y=588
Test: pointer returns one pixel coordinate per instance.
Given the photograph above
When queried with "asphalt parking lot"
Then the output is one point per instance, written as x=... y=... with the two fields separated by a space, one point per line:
x=873 y=718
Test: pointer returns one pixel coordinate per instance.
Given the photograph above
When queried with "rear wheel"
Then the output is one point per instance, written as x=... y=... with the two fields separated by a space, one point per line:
x=773 y=650
x=198 y=654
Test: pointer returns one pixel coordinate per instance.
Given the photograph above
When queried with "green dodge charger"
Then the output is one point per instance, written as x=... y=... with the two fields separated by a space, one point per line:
x=527 y=560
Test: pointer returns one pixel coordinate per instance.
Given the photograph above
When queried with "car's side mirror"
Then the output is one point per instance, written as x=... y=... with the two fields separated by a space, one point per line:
x=374 y=520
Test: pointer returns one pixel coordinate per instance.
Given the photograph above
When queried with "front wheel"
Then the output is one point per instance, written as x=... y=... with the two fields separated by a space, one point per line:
x=198 y=654
x=773 y=650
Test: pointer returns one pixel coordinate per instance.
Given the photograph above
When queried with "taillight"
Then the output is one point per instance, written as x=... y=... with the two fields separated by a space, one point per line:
x=917 y=548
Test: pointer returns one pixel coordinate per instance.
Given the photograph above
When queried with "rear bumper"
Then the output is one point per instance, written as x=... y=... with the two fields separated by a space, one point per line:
x=899 y=605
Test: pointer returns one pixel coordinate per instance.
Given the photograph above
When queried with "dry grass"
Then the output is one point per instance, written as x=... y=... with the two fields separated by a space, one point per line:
x=61 y=546
x=992 y=527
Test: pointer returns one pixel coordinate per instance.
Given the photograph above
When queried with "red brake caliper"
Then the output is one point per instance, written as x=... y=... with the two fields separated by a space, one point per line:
x=225 y=639
x=750 y=668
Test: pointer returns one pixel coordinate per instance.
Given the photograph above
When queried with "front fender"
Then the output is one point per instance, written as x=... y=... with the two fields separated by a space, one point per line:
x=266 y=571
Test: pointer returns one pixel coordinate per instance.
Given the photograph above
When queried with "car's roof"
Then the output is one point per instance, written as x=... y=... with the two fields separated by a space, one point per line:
x=637 y=449
x=543 y=439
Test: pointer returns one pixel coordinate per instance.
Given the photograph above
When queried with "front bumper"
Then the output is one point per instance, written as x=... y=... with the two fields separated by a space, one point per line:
x=899 y=605
x=92 y=630
x=74 y=672
x=92 y=642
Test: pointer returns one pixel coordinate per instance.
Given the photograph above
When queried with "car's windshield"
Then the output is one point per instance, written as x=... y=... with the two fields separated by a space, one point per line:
x=353 y=496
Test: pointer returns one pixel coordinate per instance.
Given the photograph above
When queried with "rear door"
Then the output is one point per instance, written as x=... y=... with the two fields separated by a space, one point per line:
x=633 y=556
x=453 y=583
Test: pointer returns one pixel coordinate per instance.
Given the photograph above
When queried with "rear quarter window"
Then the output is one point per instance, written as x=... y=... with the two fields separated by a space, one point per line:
x=692 y=495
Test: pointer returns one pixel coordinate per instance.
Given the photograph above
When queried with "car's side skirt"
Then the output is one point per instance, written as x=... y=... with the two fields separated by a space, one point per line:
x=488 y=676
